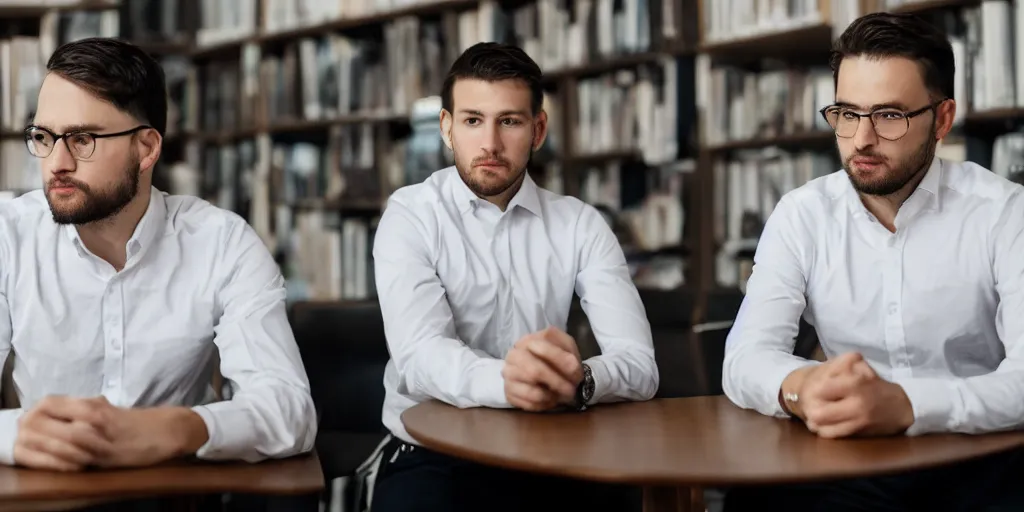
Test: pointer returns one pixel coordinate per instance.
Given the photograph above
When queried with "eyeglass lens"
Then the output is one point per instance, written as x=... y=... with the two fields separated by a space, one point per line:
x=889 y=124
x=40 y=143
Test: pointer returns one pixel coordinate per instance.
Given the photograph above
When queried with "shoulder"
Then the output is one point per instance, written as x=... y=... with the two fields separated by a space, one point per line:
x=974 y=184
x=427 y=195
x=25 y=216
x=820 y=198
x=198 y=224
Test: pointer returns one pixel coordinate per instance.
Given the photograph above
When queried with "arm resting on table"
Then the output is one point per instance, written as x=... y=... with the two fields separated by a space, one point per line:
x=430 y=360
x=995 y=401
x=759 y=348
x=626 y=368
x=271 y=413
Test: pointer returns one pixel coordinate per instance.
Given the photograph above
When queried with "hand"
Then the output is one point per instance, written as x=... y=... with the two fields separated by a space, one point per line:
x=848 y=398
x=147 y=436
x=542 y=371
x=58 y=434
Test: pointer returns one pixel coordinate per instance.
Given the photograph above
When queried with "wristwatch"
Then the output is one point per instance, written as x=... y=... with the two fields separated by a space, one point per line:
x=585 y=390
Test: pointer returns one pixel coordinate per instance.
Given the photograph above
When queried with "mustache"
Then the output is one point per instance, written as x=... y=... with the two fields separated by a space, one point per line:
x=480 y=159
x=867 y=154
x=67 y=182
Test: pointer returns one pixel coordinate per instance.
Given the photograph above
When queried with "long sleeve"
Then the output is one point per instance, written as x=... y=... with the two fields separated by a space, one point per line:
x=759 y=347
x=271 y=412
x=430 y=360
x=626 y=368
x=995 y=401
x=8 y=417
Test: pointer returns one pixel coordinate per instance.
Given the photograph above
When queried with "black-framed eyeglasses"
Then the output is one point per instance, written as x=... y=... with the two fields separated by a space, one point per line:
x=41 y=141
x=889 y=123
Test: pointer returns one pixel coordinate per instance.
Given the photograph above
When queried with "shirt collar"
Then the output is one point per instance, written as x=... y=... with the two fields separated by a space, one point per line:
x=929 y=190
x=146 y=231
x=527 y=197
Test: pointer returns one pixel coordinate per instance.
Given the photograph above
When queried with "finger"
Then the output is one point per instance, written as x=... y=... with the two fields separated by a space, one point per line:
x=77 y=433
x=864 y=370
x=838 y=387
x=41 y=460
x=70 y=409
x=529 y=397
x=824 y=414
x=531 y=369
x=839 y=430
x=565 y=363
x=844 y=363
x=561 y=338
x=41 y=441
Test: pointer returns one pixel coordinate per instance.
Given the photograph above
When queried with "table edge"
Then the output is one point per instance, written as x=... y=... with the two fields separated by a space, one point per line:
x=650 y=479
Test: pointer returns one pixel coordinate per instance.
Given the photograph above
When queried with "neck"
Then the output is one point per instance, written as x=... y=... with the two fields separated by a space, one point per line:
x=885 y=208
x=109 y=237
x=501 y=200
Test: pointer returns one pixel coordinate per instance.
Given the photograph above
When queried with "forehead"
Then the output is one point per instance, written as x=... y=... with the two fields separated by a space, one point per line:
x=490 y=97
x=63 y=103
x=866 y=81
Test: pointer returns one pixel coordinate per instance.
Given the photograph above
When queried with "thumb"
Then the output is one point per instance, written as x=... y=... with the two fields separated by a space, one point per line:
x=845 y=362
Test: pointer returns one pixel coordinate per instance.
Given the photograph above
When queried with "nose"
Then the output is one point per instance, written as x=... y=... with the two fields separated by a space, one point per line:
x=59 y=160
x=490 y=142
x=865 y=136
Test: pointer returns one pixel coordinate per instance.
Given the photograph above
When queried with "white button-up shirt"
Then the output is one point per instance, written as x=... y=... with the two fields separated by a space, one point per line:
x=937 y=306
x=196 y=278
x=460 y=281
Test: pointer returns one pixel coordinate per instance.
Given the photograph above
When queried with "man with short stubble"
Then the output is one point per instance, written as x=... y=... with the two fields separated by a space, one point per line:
x=115 y=297
x=911 y=270
x=476 y=268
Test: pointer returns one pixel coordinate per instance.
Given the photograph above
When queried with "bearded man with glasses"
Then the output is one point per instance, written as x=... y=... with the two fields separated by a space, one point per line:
x=911 y=270
x=115 y=296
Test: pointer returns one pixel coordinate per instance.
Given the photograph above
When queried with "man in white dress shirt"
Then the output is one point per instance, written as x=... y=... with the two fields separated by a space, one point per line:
x=116 y=297
x=911 y=270
x=476 y=269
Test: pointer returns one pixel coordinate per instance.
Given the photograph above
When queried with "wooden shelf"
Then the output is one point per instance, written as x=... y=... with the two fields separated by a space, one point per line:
x=816 y=138
x=798 y=43
x=358 y=205
x=597 y=158
x=932 y=5
x=361 y=22
x=613 y=64
x=36 y=9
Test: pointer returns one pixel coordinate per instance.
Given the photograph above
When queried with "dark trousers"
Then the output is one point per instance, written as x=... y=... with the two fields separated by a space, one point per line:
x=412 y=478
x=988 y=484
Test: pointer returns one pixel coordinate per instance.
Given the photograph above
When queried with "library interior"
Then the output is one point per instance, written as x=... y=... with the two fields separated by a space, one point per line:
x=683 y=122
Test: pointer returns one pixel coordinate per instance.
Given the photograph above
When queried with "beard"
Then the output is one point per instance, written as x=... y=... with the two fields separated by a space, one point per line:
x=485 y=188
x=899 y=175
x=94 y=206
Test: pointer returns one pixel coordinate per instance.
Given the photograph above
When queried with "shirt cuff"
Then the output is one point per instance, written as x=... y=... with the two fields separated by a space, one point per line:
x=932 y=402
x=602 y=379
x=230 y=430
x=487 y=386
x=773 y=384
x=8 y=434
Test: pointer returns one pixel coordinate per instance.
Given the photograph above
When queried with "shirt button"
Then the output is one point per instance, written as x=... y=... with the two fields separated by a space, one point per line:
x=892 y=309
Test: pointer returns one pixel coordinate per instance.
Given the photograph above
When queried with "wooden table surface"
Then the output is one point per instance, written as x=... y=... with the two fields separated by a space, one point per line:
x=293 y=476
x=702 y=441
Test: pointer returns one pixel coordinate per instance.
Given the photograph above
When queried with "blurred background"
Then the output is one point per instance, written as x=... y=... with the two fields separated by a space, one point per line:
x=683 y=121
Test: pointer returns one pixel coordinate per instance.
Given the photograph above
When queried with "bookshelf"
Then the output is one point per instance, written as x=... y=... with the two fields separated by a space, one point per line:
x=754 y=145
x=252 y=123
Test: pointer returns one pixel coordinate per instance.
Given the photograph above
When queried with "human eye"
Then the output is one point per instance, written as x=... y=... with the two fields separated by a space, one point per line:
x=511 y=121
x=471 y=121
x=889 y=115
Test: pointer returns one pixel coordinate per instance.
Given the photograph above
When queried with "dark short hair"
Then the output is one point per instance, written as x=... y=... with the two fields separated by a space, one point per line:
x=883 y=34
x=493 y=62
x=118 y=72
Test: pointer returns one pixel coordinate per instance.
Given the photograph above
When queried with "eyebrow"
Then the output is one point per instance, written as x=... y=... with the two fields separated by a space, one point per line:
x=70 y=128
x=500 y=114
x=895 y=104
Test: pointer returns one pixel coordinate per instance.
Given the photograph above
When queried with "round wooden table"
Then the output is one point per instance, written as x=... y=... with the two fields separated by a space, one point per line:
x=673 y=446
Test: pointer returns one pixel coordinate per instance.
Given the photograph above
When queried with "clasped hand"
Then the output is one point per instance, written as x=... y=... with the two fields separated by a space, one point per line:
x=69 y=434
x=542 y=371
x=845 y=397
